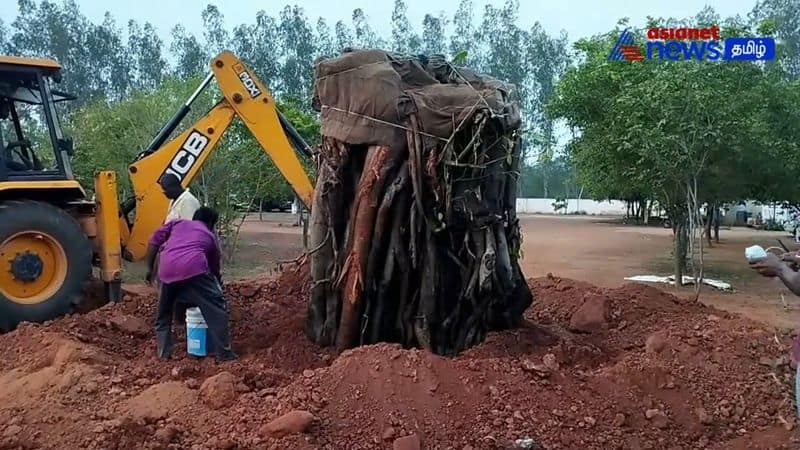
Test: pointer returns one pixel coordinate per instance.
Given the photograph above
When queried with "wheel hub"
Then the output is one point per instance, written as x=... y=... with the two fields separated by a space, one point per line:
x=33 y=266
x=27 y=266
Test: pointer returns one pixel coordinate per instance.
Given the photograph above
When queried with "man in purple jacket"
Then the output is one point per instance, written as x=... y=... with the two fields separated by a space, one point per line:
x=189 y=270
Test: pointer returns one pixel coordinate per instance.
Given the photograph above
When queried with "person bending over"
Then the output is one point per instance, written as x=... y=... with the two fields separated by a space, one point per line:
x=189 y=269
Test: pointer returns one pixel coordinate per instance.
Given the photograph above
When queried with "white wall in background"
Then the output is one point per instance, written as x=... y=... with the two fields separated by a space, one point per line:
x=545 y=206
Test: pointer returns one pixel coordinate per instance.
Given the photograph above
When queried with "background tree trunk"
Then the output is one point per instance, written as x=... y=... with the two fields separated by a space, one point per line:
x=680 y=246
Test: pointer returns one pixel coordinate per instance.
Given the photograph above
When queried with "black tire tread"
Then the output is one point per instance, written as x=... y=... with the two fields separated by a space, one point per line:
x=22 y=215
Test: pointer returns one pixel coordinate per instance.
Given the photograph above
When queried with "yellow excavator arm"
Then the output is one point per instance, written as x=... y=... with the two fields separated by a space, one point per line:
x=245 y=97
x=51 y=235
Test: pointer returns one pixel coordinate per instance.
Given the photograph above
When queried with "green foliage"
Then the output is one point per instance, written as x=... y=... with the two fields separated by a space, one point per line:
x=649 y=128
x=460 y=58
x=781 y=18
x=404 y=40
x=549 y=180
x=655 y=129
x=433 y=35
x=112 y=134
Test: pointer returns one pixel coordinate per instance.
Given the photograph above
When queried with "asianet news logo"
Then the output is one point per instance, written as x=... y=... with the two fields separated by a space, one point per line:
x=702 y=44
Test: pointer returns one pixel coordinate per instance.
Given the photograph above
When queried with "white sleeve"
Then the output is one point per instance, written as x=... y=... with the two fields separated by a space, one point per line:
x=187 y=206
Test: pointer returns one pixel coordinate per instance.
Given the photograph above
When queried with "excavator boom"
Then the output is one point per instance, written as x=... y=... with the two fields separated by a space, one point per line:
x=245 y=97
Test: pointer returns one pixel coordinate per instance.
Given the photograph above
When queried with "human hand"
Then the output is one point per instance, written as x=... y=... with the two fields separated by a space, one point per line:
x=790 y=257
x=769 y=266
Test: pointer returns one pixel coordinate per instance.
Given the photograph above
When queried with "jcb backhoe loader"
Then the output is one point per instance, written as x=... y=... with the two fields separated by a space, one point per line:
x=51 y=234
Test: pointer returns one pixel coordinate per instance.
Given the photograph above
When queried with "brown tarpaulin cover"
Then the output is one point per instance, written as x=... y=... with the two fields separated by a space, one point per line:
x=364 y=96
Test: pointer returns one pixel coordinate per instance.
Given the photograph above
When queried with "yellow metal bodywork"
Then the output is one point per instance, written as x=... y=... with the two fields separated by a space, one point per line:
x=256 y=108
x=244 y=96
x=38 y=185
x=53 y=272
x=151 y=204
x=108 y=230
x=30 y=62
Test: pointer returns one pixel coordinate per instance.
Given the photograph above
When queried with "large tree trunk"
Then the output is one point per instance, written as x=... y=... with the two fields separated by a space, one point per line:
x=415 y=240
x=379 y=161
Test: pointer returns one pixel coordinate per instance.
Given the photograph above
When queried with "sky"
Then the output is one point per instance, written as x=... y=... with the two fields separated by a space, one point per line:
x=578 y=18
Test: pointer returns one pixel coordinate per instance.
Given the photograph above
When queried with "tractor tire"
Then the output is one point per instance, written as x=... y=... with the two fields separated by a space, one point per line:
x=45 y=258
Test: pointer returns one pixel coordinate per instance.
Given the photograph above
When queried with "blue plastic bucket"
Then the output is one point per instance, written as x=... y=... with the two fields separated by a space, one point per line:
x=195 y=332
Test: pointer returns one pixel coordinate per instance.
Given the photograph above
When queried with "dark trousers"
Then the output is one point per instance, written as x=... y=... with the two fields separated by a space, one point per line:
x=179 y=308
x=204 y=292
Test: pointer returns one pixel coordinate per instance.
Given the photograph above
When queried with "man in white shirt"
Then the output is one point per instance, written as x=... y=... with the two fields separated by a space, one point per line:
x=182 y=203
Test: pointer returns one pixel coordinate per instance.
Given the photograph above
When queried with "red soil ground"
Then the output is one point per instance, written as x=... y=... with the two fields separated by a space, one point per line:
x=657 y=372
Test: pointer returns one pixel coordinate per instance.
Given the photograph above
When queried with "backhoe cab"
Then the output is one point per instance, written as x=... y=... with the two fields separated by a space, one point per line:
x=45 y=254
x=27 y=101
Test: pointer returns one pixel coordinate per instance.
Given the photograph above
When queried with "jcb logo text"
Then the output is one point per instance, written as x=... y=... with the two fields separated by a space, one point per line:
x=187 y=156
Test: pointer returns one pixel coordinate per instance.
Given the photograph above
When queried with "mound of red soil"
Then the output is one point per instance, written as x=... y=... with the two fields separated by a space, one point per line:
x=648 y=371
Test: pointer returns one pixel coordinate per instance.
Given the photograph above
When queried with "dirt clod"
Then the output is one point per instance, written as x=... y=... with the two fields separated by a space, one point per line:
x=219 y=391
x=703 y=416
x=131 y=325
x=388 y=434
x=158 y=401
x=249 y=291
x=590 y=316
x=167 y=434
x=410 y=442
x=657 y=418
x=656 y=342
x=293 y=422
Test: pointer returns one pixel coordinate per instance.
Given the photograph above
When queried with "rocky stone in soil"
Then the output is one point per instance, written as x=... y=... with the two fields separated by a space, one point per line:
x=590 y=317
x=130 y=325
x=249 y=291
x=703 y=416
x=158 y=401
x=219 y=391
x=656 y=342
x=410 y=442
x=389 y=434
x=167 y=434
x=293 y=422
x=657 y=418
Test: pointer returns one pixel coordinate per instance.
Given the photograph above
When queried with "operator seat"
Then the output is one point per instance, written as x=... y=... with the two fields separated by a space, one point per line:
x=7 y=148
